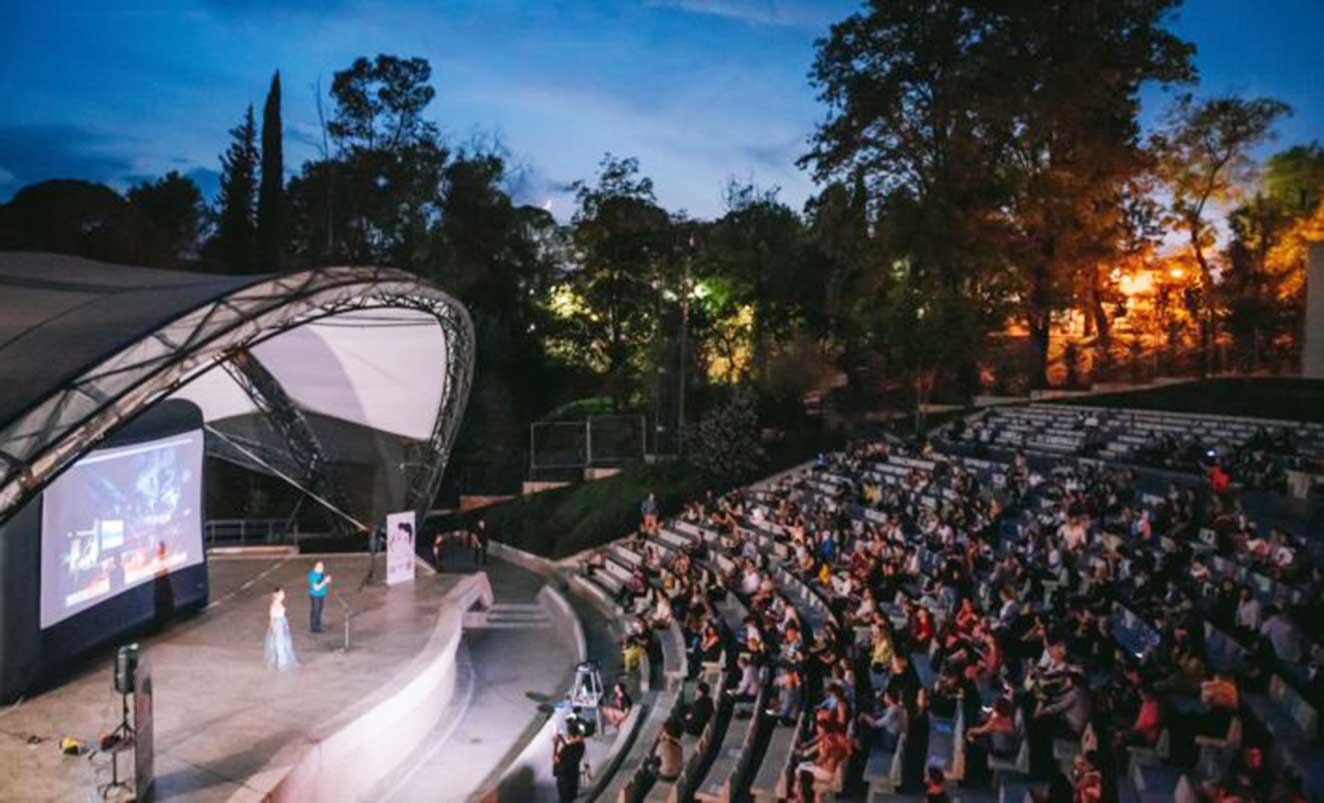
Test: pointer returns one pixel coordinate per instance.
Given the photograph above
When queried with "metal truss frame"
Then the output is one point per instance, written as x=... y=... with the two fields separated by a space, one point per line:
x=56 y=430
x=285 y=417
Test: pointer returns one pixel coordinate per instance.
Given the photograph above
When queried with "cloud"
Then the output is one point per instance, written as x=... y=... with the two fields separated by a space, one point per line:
x=303 y=135
x=208 y=181
x=758 y=12
x=528 y=186
x=775 y=155
x=32 y=153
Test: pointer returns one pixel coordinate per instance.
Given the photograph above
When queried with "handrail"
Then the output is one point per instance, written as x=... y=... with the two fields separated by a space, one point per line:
x=248 y=531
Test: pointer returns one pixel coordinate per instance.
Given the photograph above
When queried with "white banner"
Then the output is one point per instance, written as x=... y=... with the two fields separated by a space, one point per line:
x=399 y=547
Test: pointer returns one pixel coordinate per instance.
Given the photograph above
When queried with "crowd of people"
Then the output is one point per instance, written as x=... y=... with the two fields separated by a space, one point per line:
x=999 y=597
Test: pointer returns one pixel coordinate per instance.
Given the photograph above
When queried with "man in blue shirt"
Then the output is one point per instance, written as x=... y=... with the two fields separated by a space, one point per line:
x=318 y=583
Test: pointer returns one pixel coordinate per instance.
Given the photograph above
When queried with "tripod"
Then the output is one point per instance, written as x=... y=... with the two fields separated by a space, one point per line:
x=120 y=739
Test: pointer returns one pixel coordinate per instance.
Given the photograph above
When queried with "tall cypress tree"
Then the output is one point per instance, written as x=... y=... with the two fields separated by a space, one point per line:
x=270 y=194
x=236 y=227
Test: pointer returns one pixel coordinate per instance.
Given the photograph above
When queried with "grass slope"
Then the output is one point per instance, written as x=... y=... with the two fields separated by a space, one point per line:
x=561 y=522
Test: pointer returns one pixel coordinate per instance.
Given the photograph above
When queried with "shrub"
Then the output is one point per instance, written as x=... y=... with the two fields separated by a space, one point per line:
x=724 y=446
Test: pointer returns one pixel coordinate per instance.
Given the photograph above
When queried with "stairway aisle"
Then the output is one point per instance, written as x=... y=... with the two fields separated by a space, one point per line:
x=516 y=663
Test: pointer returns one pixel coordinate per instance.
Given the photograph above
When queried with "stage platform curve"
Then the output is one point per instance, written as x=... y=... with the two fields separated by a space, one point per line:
x=229 y=729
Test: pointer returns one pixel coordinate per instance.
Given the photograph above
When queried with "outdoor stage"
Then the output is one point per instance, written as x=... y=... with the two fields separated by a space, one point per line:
x=229 y=729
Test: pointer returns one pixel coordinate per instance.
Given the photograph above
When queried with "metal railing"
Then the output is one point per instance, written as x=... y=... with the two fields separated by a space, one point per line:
x=245 y=532
x=597 y=440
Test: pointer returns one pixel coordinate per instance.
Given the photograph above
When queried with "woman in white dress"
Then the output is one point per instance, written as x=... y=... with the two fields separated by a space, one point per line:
x=279 y=646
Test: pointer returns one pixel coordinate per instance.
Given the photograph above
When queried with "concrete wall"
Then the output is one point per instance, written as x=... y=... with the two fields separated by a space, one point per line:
x=475 y=501
x=1312 y=348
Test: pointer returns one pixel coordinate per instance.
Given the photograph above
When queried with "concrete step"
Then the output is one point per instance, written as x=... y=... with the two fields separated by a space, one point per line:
x=406 y=783
x=511 y=616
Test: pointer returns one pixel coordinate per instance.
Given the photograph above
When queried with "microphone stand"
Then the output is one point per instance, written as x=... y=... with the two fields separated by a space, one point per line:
x=347 y=612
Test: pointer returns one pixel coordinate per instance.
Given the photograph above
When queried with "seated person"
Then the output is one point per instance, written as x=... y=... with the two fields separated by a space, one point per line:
x=821 y=758
x=617 y=707
x=1069 y=712
x=935 y=786
x=890 y=721
x=696 y=715
x=1221 y=699
x=997 y=733
x=788 y=698
x=597 y=561
x=633 y=650
x=1086 y=779
x=669 y=753
x=710 y=647
x=1148 y=725
x=748 y=686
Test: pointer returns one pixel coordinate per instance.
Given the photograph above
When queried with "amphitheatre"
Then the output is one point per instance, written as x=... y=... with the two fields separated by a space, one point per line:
x=662 y=401
x=1076 y=547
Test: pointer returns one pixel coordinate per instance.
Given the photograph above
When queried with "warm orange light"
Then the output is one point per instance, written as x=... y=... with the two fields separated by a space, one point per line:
x=1136 y=285
x=1176 y=273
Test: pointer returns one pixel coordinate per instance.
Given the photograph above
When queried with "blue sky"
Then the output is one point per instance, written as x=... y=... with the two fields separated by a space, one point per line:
x=699 y=90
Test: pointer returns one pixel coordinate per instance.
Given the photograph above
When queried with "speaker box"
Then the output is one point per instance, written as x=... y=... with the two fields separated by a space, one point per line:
x=126 y=668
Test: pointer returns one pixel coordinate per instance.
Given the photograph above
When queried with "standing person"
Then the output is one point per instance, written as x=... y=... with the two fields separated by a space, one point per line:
x=478 y=540
x=649 y=511
x=318 y=583
x=279 y=647
x=567 y=755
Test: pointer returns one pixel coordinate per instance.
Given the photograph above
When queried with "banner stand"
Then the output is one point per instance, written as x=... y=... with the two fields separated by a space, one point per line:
x=400 y=548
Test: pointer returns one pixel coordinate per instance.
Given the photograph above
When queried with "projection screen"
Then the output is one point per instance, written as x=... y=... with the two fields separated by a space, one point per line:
x=118 y=518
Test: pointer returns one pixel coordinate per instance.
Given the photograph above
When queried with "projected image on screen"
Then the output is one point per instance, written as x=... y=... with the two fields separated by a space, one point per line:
x=118 y=518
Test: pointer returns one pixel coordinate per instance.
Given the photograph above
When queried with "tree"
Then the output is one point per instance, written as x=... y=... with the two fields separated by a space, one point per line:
x=1065 y=102
x=759 y=246
x=1204 y=157
x=392 y=160
x=236 y=228
x=1250 y=286
x=270 y=199
x=174 y=204
x=926 y=329
x=1295 y=177
x=66 y=216
x=852 y=269
x=1265 y=258
x=1004 y=131
x=724 y=446
x=620 y=234
x=491 y=254
x=380 y=103
x=906 y=84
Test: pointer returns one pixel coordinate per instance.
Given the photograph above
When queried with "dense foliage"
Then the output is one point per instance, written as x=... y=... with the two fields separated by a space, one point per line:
x=989 y=218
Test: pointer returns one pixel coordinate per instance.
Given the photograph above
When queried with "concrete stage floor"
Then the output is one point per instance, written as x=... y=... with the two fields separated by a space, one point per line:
x=224 y=723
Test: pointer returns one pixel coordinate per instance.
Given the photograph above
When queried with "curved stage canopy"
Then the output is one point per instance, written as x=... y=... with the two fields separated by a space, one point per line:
x=86 y=346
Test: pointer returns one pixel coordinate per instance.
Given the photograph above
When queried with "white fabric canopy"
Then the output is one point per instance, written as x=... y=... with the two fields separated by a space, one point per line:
x=381 y=368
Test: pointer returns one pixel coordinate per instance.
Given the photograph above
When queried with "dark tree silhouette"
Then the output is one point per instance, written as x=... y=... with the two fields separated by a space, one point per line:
x=174 y=205
x=271 y=193
x=236 y=235
x=66 y=216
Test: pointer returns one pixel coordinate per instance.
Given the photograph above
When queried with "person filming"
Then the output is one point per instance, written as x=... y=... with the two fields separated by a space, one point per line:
x=567 y=756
